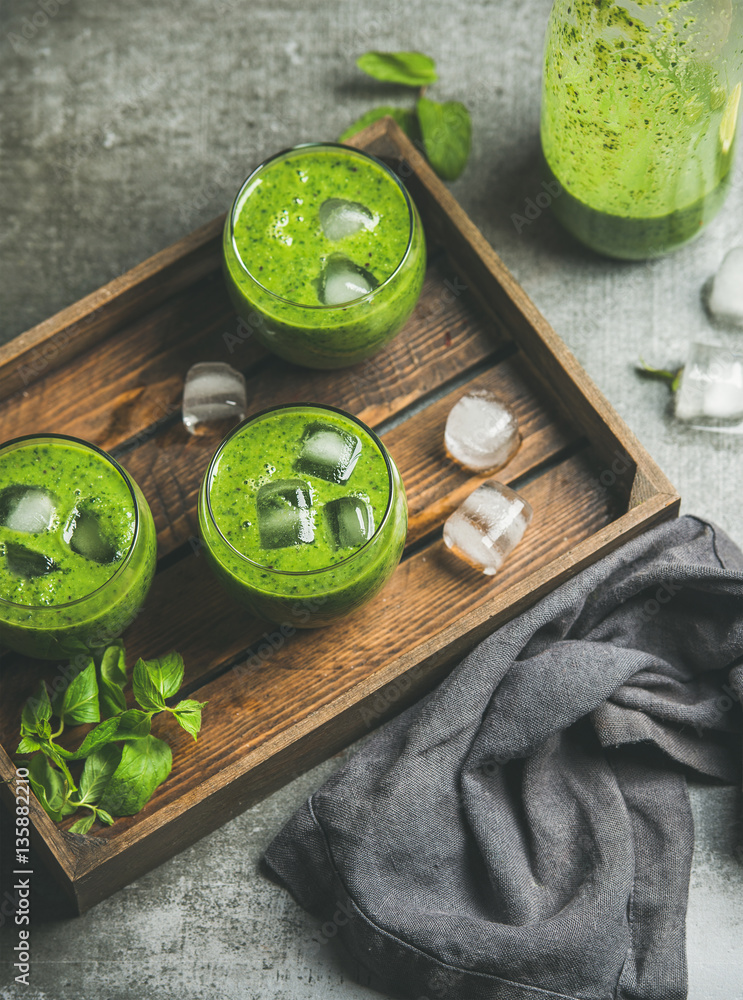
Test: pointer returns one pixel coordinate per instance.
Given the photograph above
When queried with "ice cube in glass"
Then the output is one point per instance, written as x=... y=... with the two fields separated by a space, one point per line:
x=482 y=432
x=351 y=521
x=27 y=563
x=27 y=509
x=342 y=281
x=87 y=538
x=214 y=395
x=329 y=452
x=487 y=526
x=285 y=514
x=340 y=218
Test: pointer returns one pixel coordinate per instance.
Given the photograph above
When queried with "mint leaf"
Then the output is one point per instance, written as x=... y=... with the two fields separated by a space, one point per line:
x=28 y=744
x=188 y=714
x=48 y=785
x=156 y=680
x=113 y=681
x=79 y=703
x=413 y=69
x=145 y=764
x=404 y=118
x=98 y=770
x=36 y=711
x=81 y=826
x=447 y=136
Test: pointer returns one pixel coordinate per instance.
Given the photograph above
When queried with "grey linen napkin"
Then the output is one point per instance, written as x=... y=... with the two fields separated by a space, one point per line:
x=524 y=832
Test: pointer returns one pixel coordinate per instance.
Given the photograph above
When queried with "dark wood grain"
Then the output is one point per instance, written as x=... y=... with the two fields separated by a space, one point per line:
x=83 y=325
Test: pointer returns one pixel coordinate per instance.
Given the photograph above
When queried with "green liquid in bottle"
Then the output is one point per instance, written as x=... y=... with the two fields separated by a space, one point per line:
x=639 y=112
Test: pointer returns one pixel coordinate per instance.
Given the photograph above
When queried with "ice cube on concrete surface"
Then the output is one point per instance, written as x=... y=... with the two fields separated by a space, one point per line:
x=725 y=293
x=285 y=514
x=86 y=537
x=342 y=281
x=340 y=218
x=711 y=387
x=482 y=433
x=27 y=508
x=26 y=563
x=351 y=520
x=328 y=452
x=487 y=526
x=213 y=393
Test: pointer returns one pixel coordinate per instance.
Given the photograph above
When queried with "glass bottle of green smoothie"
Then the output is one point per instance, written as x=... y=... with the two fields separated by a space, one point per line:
x=639 y=111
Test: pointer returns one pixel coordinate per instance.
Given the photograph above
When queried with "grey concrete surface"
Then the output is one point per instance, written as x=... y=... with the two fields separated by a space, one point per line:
x=123 y=126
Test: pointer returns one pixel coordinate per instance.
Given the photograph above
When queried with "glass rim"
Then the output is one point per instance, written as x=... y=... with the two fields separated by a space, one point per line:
x=231 y=219
x=53 y=608
x=294 y=406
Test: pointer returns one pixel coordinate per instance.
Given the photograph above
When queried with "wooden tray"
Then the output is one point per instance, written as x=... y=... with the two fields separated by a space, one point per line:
x=110 y=369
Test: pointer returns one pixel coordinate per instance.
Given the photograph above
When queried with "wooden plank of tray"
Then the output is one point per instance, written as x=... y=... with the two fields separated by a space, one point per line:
x=125 y=353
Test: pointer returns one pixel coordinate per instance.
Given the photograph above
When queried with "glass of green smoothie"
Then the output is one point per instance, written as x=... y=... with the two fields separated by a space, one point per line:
x=324 y=255
x=77 y=546
x=640 y=105
x=303 y=514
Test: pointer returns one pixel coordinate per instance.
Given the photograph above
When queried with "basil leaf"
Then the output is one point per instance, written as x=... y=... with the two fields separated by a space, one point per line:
x=188 y=714
x=133 y=724
x=145 y=764
x=48 y=784
x=404 y=118
x=105 y=817
x=96 y=738
x=36 y=711
x=113 y=681
x=447 y=136
x=28 y=744
x=98 y=770
x=156 y=680
x=146 y=691
x=80 y=700
x=130 y=725
x=167 y=673
x=82 y=826
x=413 y=69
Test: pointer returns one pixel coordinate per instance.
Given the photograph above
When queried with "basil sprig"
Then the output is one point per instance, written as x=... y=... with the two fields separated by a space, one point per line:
x=123 y=762
x=442 y=131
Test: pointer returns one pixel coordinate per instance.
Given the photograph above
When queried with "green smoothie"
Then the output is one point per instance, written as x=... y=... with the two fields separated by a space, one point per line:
x=639 y=112
x=324 y=255
x=77 y=546
x=303 y=514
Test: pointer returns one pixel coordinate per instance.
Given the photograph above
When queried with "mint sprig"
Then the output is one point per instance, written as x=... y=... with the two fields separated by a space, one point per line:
x=123 y=762
x=442 y=131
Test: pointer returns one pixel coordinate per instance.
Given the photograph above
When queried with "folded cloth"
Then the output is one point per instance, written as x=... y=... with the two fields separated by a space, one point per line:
x=524 y=832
